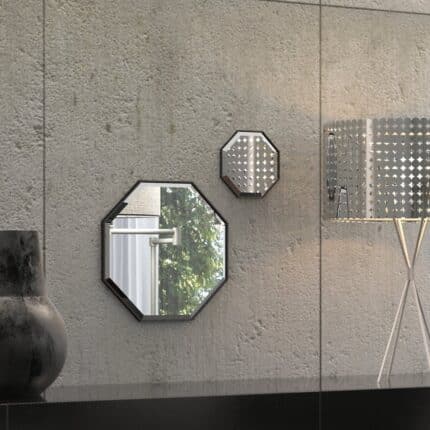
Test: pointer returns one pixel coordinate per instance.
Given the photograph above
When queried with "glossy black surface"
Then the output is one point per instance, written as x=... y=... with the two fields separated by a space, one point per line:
x=32 y=332
x=3 y=417
x=402 y=409
x=95 y=393
x=287 y=411
x=369 y=382
x=263 y=404
x=118 y=392
x=353 y=410
x=181 y=390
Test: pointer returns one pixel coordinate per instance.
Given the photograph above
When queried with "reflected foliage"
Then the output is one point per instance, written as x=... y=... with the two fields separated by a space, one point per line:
x=190 y=271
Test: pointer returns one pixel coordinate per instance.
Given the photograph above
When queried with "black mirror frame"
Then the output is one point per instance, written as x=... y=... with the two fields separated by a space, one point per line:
x=120 y=294
x=227 y=182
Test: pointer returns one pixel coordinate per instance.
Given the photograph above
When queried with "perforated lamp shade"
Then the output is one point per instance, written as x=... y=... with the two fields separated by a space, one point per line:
x=377 y=169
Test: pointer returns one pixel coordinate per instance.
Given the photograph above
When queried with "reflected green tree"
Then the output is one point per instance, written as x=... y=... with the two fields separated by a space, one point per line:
x=188 y=272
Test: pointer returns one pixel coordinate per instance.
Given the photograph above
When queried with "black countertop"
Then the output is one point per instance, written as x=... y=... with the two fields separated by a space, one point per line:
x=353 y=402
x=188 y=389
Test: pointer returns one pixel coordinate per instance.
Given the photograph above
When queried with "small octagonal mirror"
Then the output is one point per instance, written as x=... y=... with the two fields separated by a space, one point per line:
x=165 y=250
x=250 y=164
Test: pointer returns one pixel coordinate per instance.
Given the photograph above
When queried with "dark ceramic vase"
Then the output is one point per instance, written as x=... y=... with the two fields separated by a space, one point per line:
x=32 y=332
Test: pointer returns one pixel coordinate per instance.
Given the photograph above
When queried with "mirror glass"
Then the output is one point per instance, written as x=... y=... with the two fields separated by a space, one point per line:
x=164 y=250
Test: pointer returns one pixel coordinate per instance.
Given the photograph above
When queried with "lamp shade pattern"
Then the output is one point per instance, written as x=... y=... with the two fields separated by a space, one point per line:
x=377 y=169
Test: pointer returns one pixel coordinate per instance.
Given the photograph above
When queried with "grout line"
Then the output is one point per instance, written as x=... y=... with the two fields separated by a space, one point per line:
x=293 y=2
x=7 y=417
x=369 y=9
x=44 y=134
x=320 y=406
x=357 y=8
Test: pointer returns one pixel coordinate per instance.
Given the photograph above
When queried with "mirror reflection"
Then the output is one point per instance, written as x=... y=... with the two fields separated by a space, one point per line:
x=165 y=250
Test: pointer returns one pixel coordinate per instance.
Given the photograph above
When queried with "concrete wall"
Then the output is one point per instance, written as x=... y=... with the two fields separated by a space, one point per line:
x=137 y=93
x=151 y=90
x=21 y=136
x=375 y=64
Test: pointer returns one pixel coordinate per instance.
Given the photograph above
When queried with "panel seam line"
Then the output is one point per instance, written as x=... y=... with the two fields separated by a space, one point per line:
x=44 y=135
x=356 y=8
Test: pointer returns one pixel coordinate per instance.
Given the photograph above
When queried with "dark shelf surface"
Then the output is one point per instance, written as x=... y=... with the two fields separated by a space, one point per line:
x=94 y=393
x=369 y=382
x=136 y=391
x=249 y=412
x=353 y=402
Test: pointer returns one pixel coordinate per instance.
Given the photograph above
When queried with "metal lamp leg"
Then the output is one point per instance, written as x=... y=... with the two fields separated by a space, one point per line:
x=410 y=284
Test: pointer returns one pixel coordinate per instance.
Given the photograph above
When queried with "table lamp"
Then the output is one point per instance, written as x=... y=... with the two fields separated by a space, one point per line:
x=379 y=170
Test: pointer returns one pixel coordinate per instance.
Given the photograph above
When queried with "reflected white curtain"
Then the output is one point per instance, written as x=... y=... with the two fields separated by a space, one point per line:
x=131 y=260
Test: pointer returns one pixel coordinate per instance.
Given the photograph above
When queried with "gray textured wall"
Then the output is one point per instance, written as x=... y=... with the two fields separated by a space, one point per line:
x=151 y=89
x=134 y=92
x=21 y=177
x=375 y=64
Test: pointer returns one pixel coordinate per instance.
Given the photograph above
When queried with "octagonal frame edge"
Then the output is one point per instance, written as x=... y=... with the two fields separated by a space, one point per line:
x=278 y=164
x=118 y=292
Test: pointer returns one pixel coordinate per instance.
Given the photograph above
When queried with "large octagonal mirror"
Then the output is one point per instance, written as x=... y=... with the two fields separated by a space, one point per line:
x=165 y=250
